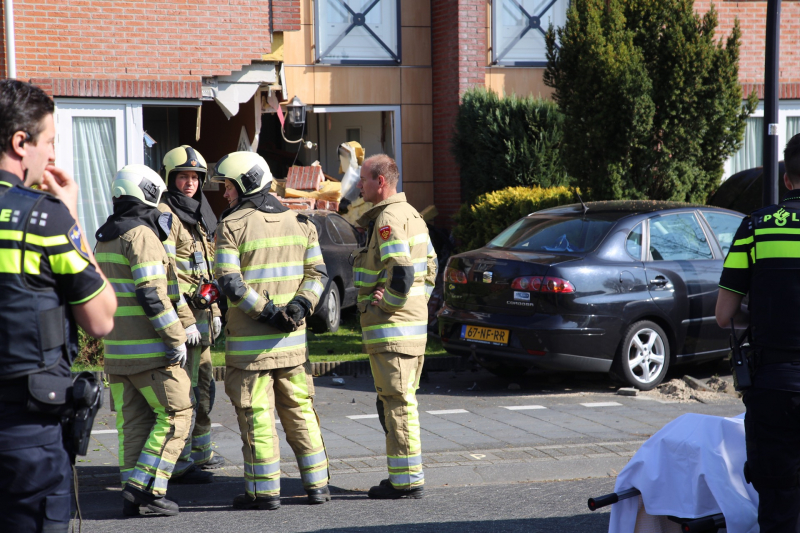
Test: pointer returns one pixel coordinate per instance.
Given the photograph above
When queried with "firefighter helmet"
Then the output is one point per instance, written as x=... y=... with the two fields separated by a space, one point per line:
x=247 y=170
x=138 y=182
x=183 y=158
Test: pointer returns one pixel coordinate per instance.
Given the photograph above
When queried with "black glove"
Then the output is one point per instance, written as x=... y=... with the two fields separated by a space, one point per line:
x=277 y=318
x=298 y=309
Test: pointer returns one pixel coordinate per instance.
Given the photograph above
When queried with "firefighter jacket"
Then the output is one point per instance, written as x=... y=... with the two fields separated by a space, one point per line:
x=191 y=254
x=146 y=323
x=261 y=257
x=400 y=258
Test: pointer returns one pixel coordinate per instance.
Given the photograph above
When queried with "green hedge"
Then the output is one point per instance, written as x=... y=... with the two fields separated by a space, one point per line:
x=505 y=142
x=493 y=212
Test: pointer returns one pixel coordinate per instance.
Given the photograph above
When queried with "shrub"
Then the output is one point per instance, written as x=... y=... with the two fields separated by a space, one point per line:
x=90 y=351
x=493 y=212
x=505 y=142
x=651 y=98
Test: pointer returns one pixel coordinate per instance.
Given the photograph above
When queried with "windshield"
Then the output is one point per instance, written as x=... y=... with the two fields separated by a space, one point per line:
x=553 y=234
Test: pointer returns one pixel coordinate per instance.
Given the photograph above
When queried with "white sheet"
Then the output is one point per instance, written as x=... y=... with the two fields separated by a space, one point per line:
x=691 y=468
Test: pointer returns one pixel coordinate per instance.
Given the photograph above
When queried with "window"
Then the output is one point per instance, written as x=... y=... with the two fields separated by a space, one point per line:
x=348 y=233
x=556 y=234
x=365 y=32
x=518 y=29
x=633 y=244
x=353 y=134
x=332 y=231
x=677 y=238
x=724 y=227
x=752 y=149
x=792 y=127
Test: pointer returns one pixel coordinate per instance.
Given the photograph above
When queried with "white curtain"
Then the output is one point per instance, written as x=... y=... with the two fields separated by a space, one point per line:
x=750 y=154
x=94 y=155
x=792 y=127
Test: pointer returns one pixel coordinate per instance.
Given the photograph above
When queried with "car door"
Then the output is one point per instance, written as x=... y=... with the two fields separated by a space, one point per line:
x=346 y=238
x=683 y=275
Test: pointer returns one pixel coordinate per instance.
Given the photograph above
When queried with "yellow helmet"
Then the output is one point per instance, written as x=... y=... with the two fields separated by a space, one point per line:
x=247 y=170
x=138 y=182
x=183 y=158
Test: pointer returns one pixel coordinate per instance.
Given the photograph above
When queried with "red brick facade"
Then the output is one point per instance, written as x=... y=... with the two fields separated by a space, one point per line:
x=458 y=50
x=752 y=20
x=140 y=48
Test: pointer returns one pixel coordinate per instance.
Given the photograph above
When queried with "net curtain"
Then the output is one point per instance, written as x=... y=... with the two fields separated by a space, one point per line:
x=94 y=155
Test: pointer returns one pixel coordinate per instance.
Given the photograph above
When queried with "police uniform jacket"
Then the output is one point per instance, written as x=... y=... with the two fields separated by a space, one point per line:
x=764 y=263
x=400 y=258
x=264 y=257
x=146 y=323
x=184 y=241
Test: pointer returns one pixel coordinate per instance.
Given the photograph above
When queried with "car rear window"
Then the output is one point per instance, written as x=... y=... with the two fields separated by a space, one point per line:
x=553 y=234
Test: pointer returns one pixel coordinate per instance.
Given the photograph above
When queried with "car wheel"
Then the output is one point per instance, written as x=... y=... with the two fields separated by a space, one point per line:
x=329 y=314
x=643 y=357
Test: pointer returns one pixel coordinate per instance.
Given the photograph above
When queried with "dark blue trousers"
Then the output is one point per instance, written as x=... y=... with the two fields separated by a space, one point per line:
x=35 y=472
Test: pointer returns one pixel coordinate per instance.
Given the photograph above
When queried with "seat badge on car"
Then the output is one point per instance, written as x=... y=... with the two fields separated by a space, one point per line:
x=487 y=277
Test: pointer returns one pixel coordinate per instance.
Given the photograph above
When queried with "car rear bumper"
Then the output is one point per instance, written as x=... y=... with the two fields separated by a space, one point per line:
x=555 y=342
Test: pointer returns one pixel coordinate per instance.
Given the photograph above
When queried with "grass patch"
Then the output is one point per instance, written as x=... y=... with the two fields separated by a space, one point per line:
x=344 y=345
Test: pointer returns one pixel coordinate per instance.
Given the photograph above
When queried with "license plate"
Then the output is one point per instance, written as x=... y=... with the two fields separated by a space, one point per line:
x=485 y=335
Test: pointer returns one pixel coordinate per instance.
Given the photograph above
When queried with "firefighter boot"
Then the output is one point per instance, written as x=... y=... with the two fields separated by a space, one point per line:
x=155 y=504
x=385 y=491
x=320 y=495
x=245 y=501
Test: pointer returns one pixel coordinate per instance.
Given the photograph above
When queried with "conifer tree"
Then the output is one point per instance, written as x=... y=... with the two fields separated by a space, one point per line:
x=652 y=102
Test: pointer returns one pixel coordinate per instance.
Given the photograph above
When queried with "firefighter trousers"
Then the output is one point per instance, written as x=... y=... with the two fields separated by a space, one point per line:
x=154 y=415
x=255 y=395
x=396 y=379
x=198 y=447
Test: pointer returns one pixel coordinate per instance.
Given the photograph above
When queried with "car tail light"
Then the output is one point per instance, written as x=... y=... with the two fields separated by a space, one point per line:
x=536 y=352
x=538 y=283
x=453 y=275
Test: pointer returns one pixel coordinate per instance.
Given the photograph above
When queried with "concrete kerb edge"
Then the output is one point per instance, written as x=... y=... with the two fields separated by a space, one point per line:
x=346 y=368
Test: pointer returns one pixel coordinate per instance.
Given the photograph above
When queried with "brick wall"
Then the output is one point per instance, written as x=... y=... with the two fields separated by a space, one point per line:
x=140 y=42
x=2 y=42
x=458 y=49
x=752 y=20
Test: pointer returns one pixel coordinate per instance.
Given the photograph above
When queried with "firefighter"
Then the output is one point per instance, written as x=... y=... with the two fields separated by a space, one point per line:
x=190 y=247
x=146 y=351
x=269 y=265
x=395 y=273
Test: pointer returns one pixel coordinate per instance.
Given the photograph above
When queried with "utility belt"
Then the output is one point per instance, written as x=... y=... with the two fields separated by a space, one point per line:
x=76 y=401
x=771 y=356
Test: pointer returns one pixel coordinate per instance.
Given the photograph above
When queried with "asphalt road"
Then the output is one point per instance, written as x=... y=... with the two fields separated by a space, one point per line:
x=499 y=455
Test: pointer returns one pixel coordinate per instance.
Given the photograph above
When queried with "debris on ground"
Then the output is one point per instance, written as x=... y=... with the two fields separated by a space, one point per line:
x=627 y=391
x=677 y=390
x=338 y=381
x=696 y=384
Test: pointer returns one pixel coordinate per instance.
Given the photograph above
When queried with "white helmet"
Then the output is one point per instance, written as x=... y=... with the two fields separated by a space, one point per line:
x=247 y=170
x=138 y=182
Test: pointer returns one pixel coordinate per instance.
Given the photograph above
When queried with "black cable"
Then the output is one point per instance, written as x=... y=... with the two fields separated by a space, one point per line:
x=300 y=146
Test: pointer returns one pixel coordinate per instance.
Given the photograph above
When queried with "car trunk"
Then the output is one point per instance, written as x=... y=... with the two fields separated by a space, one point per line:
x=489 y=275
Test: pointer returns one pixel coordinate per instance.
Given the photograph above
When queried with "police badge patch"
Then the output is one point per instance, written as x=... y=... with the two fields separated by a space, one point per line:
x=385 y=232
x=74 y=235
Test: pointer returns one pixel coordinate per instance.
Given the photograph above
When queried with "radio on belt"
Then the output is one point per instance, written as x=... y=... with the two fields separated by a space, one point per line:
x=207 y=293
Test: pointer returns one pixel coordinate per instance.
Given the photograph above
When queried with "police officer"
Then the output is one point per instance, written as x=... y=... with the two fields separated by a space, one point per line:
x=395 y=274
x=146 y=351
x=49 y=280
x=269 y=266
x=764 y=264
x=190 y=247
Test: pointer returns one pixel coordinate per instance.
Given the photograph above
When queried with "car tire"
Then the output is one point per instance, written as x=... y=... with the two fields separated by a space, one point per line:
x=329 y=315
x=642 y=359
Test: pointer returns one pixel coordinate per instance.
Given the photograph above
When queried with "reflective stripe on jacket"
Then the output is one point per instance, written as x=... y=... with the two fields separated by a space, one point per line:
x=183 y=241
x=147 y=324
x=400 y=258
x=266 y=253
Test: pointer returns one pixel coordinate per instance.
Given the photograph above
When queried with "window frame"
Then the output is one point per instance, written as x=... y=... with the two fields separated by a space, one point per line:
x=498 y=60
x=319 y=54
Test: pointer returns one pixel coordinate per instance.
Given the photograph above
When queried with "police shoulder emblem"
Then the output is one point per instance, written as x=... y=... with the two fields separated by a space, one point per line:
x=74 y=235
x=385 y=232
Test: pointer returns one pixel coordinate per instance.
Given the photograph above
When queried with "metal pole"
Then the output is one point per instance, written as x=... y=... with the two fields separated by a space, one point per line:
x=11 y=51
x=771 y=95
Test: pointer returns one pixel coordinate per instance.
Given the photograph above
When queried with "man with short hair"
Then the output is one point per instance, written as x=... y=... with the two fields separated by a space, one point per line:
x=49 y=281
x=395 y=274
x=764 y=264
